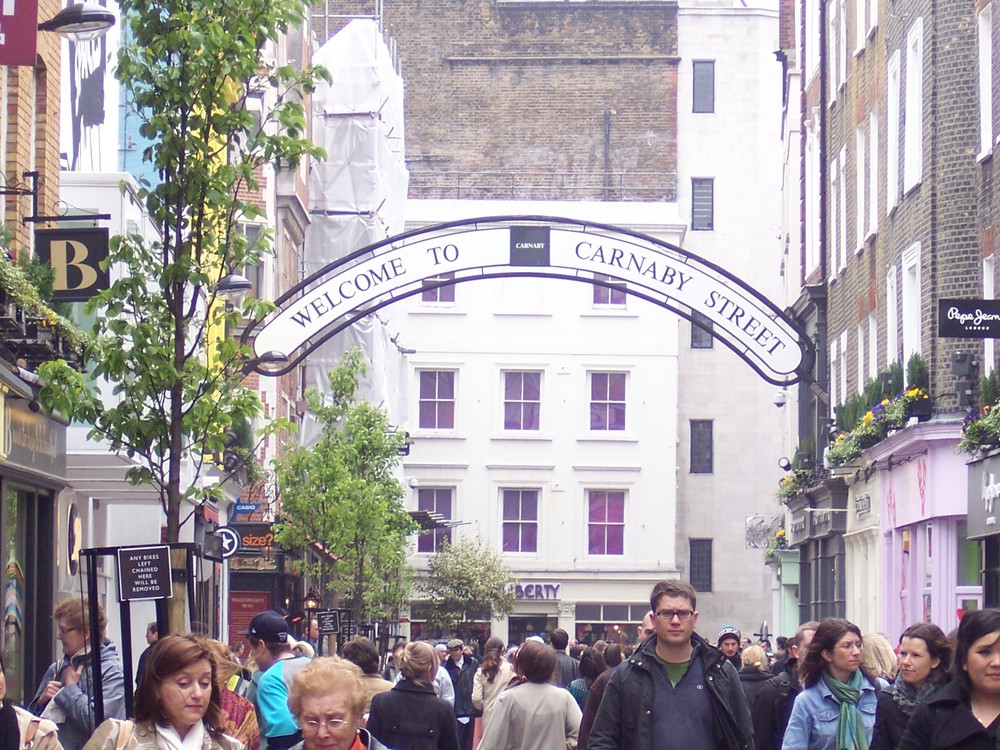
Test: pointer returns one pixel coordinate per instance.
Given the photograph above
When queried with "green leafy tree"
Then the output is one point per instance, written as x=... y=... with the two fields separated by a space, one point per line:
x=341 y=494
x=467 y=580
x=159 y=343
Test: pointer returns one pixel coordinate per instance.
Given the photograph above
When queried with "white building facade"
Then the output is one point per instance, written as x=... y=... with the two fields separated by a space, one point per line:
x=543 y=418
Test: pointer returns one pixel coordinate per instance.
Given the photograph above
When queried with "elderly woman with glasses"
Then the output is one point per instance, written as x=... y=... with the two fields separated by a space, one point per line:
x=328 y=699
x=177 y=705
x=836 y=708
x=66 y=692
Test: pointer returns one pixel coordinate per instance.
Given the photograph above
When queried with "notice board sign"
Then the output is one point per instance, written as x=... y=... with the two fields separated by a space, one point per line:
x=328 y=621
x=144 y=573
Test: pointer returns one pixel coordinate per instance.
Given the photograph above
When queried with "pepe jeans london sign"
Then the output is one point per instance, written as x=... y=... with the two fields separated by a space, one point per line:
x=969 y=318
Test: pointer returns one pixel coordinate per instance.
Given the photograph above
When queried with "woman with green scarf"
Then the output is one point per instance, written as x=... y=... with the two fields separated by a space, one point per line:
x=836 y=708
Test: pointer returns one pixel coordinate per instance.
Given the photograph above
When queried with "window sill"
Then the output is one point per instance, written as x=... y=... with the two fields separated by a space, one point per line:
x=437 y=311
x=611 y=312
x=425 y=434
x=525 y=435
x=984 y=156
x=871 y=235
x=607 y=436
x=909 y=189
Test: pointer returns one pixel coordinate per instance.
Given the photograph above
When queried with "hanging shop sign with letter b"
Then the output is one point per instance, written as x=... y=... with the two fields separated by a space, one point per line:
x=144 y=573
x=75 y=256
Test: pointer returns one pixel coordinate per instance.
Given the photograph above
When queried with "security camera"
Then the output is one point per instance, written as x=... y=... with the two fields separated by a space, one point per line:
x=784 y=464
x=780 y=399
x=413 y=482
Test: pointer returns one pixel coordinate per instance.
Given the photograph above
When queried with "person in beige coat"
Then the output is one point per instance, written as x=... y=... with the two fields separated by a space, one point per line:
x=43 y=737
x=178 y=704
x=491 y=679
x=42 y=733
x=532 y=714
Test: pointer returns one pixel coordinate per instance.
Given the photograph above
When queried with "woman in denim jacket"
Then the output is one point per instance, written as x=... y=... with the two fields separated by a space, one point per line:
x=836 y=709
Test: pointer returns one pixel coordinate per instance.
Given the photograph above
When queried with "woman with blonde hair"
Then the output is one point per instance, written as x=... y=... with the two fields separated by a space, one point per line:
x=878 y=658
x=754 y=672
x=327 y=699
x=411 y=716
x=491 y=679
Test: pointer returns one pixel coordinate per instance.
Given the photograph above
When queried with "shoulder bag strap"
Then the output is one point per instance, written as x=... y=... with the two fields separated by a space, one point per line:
x=29 y=734
x=124 y=733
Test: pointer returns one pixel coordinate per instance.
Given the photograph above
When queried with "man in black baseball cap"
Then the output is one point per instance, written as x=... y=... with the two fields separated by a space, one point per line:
x=271 y=650
x=268 y=626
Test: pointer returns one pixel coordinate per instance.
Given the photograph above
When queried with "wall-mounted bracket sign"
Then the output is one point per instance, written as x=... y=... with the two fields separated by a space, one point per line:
x=969 y=318
x=497 y=247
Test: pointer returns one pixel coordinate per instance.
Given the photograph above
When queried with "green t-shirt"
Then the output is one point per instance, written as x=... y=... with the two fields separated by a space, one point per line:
x=675 y=672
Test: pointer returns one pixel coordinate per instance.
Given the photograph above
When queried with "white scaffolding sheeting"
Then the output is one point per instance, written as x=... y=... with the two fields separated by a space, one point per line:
x=356 y=198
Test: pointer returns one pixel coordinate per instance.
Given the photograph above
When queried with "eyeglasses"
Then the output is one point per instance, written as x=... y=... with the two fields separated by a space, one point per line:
x=850 y=646
x=313 y=725
x=64 y=631
x=670 y=614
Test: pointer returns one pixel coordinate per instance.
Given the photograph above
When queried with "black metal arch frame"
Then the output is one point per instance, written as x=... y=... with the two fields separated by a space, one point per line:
x=393 y=295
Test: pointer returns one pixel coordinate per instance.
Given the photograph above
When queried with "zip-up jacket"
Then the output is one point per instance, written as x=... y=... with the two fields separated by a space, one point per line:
x=625 y=719
x=463 y=679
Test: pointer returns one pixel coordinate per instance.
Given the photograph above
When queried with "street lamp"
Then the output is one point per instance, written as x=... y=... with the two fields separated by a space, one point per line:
x=310 y=604
x=80 y=22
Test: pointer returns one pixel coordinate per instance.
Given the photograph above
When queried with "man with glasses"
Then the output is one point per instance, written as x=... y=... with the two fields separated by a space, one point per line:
x=645 y=630
x=677 y=691
x=66 y=693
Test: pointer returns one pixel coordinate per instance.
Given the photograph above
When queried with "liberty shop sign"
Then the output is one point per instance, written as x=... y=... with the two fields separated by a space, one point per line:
x=498 y=247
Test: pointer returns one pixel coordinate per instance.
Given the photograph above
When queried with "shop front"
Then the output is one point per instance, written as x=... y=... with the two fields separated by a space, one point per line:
x=606 y=607
x=983 y=525
x=32 y=472
x=863 y=551
x=931 y=567
x=259 y=579
x=816 y=529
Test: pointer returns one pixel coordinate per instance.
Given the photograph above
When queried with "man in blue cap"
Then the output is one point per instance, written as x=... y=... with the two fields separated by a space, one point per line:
x=270 y=649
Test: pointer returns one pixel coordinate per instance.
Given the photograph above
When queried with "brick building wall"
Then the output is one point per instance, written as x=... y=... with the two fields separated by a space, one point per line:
x=989 y=201
x=939 y=212
x=31 y=125
x=541 y=100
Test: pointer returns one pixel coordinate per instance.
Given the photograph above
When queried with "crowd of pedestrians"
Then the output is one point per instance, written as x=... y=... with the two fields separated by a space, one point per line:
x=829 y=687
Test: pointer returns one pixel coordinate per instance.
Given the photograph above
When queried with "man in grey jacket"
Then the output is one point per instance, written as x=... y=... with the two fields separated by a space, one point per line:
x=567 y=668
x=66 y=694
x=677 y=691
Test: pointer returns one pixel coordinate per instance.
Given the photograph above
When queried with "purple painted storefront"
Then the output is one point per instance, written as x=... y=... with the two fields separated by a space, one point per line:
x=931 y=568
